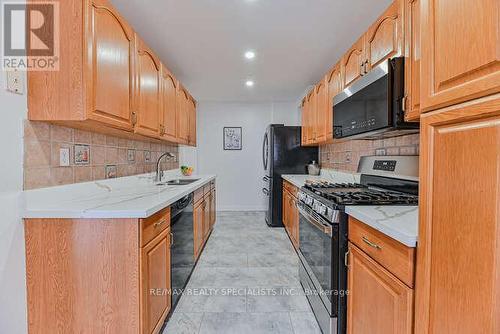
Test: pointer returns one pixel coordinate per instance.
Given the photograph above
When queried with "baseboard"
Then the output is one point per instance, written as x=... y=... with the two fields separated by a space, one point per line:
x=241 y=208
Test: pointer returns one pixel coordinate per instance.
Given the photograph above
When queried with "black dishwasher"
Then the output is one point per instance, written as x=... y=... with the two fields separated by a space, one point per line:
x=182 y=248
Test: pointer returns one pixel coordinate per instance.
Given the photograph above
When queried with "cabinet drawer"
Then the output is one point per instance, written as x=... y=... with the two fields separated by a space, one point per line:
x=154 y=225
x=392 y=255
x=198 y=195
x=293 y=190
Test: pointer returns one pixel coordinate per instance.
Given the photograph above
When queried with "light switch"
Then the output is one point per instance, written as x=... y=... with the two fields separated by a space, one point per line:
x=64 y=157
x=15 y=82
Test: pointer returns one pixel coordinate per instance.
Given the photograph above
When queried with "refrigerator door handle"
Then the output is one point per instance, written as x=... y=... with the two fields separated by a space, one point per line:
x=265 y=150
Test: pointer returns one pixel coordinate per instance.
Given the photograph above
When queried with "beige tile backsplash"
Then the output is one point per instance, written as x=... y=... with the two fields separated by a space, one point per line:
x=43 y=141
x=345 y=155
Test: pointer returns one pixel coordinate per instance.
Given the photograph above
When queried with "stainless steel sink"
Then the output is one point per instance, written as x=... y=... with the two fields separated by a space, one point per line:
x=178 y=182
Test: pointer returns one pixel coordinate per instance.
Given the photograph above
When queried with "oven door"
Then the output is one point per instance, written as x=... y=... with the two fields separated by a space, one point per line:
x=318 y=239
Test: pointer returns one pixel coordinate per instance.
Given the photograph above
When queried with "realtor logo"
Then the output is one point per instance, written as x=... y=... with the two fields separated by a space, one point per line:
x=30 y=36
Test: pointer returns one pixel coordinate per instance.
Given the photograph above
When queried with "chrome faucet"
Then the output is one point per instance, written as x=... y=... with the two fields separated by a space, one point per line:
x=159 y=173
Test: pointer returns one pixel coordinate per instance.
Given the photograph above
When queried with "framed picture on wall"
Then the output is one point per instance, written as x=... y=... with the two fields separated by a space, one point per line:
x=232 y=138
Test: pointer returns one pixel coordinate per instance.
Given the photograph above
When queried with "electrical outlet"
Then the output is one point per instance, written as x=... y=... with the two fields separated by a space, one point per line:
x=64 y=157
x=15 y=82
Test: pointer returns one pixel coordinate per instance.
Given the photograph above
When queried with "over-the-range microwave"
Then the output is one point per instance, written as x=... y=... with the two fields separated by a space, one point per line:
x=372 y=107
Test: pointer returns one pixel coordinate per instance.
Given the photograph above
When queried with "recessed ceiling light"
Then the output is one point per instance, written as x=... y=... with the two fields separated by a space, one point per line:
x=249 y=55
x=249 y=83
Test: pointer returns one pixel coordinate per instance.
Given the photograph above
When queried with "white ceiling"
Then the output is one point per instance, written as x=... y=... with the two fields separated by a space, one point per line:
x=296 y=41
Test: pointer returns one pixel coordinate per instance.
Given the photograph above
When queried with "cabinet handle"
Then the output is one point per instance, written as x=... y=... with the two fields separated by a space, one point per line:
x=403 y=103
x=158 y=224
x=171 y=239
x=371 y=244
x=134 y=118
x=346 y=258
x=361 y=69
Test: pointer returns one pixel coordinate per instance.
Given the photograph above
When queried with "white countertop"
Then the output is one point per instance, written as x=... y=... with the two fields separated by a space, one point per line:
x=126 y=197
x=398 y=222
x=326 y=175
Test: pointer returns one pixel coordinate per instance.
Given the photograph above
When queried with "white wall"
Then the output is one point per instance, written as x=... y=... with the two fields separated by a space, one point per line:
x=12 y=256
x=239 y=173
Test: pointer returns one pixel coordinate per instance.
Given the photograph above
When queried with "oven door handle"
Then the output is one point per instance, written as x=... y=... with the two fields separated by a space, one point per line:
x=326 y=229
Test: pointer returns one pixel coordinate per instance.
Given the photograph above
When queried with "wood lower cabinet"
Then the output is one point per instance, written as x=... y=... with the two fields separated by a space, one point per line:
x=109 y=80
x=204 y=216
x=458 y=259
x=155 y=282
x=378 y=302
x=290 y=214
x=459 y=63
x=412 y=60
x=98 y=275
x=213 y=207
x=148 y=110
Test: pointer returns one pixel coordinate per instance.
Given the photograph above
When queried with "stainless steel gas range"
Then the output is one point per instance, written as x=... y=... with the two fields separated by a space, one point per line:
x=323 y=231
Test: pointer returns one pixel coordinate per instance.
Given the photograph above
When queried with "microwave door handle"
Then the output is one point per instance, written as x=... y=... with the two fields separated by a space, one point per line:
x=323 y=228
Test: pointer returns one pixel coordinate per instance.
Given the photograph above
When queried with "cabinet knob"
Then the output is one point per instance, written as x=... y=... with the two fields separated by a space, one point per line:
x=134 y=118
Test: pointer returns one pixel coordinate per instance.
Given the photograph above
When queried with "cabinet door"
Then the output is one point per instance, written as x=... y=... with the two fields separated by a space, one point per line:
x=213 y=209
x=148 y=91
x=294 y=221
x=206 y=218
x=458 y=259
x=304 y=122
x=110 y=57
x=183 y=115
x=192 y=121
x=412 y=60
x=321 y=111
x=155 y=282
x=378 y=302
x=284 y=210
x=311 y=117
x=198 y=228
x=352 y=63
x=384 y=39
x=169 y=121
x=334 y=86
x=460 y=51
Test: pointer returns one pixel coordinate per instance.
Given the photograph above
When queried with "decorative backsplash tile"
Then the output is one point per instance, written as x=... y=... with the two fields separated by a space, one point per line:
x=92 y=156
x=345 y=155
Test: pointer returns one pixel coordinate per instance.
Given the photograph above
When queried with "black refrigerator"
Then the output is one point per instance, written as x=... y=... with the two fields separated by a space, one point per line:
x=282 y=153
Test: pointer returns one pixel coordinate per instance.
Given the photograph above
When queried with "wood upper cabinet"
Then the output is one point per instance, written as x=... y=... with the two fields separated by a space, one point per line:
x=149 y=93
x=353 y=63
x=460 y=51
x=384 y=39
x=311 y=117
x=110 y=41
x=108 y=80
x=182 y=115
x=459 y=219
x=192 y=121
x=168 y=127
x=155 y=282
x=378 y=302
x=412 y=60
x=321 y=111
x=334 y=86
x=304 y=121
